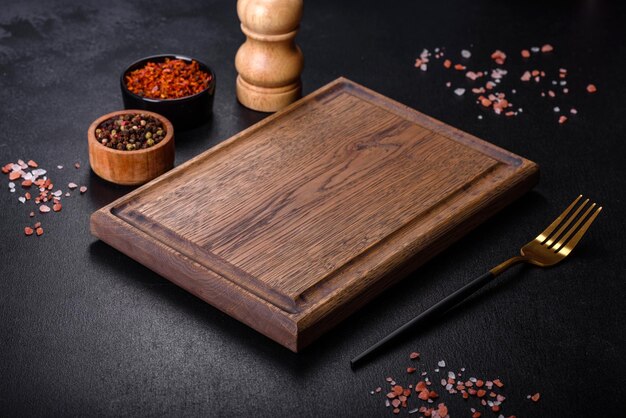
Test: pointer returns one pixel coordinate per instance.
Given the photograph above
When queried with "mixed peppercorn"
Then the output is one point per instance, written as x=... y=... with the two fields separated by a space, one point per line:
x=131 y=131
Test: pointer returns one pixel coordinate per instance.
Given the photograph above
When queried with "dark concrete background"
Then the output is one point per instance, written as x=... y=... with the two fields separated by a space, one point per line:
x=84 y=330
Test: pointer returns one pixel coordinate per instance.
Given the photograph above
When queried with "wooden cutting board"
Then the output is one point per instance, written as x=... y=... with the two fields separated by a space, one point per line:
x=296 y=222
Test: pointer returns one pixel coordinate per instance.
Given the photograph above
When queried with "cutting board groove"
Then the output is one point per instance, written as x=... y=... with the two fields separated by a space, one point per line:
x=313 y=211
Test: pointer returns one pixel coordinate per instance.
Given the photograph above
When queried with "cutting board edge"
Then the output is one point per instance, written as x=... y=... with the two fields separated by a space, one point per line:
x=203 y=283
x=311 y=325
x=301 y=327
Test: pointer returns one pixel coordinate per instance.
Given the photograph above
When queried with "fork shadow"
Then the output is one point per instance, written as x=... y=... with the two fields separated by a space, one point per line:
x=463 y=308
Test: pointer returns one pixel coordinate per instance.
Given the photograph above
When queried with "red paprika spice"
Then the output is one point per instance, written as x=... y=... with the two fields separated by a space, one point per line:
x=171 y=79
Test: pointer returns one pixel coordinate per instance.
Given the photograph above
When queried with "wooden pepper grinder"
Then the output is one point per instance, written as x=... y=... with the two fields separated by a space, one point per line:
x=269 y=63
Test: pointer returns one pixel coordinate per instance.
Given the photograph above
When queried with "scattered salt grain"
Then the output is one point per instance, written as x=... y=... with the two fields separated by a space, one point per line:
x=487 y=95
x=22 y=199
x=556 y=109
x=498 y=73
x=442 y=363
x=83 y=189
x=60 y=167
x=472 y=75
x=72 y=186
x=498 y=56
x=44 y=209
x=573 y=111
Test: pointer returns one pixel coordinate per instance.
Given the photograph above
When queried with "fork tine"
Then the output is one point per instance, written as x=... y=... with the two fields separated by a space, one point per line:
x=573 y=229
x=568 y=247
x=546 y=232
x=569 y=220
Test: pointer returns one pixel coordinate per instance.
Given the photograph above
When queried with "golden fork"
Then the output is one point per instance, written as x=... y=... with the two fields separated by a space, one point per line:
x=549 y=248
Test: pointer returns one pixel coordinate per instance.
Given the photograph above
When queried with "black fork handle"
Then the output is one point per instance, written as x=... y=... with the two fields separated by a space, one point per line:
x=434 y=311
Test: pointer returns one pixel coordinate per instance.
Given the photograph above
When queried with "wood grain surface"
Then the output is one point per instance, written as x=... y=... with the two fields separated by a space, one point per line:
x=296 y=222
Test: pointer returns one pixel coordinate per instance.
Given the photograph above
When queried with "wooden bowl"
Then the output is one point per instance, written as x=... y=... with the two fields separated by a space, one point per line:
x=131 y=168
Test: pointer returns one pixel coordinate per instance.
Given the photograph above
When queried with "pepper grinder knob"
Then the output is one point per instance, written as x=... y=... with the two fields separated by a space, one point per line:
x=269 y=62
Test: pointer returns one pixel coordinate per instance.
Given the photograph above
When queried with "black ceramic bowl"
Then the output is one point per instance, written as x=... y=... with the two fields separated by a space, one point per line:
x=185 y=112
